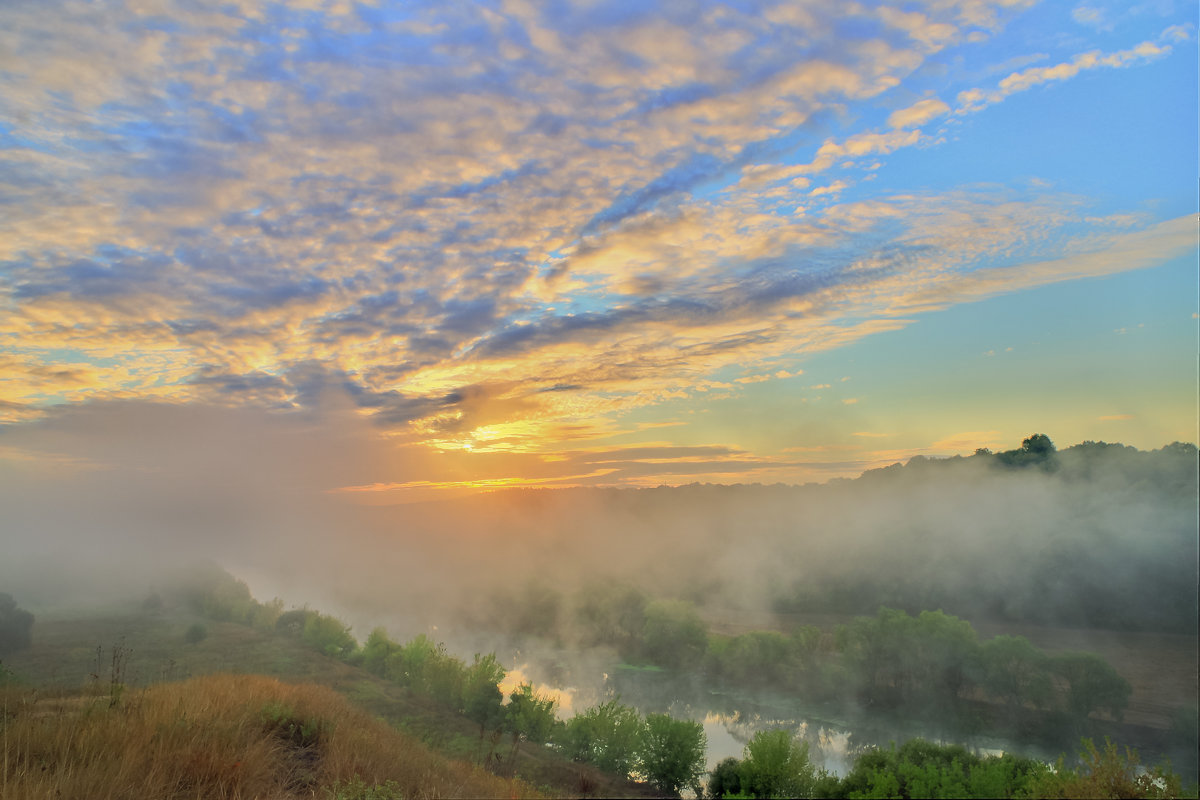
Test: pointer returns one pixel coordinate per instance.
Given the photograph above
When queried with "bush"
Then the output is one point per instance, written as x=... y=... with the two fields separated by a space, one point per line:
x=195 y=634
x=291 y=623
x=329 y=635
x=16 y=626
x=1107 y=774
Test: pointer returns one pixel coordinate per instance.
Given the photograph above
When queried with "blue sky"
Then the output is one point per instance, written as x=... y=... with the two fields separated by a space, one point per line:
x=583 y=243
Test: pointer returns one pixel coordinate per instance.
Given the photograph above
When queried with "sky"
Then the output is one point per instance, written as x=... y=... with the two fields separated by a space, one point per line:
x=390 y=251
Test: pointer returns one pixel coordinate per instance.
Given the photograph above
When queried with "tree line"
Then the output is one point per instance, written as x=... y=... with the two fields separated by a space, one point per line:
x=916 y=664
x=776 y=764
x=667 y=753
x=928 y=664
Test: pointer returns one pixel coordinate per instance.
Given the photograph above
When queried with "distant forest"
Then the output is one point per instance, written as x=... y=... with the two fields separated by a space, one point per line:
x=1126 y=560
x=1096 y=535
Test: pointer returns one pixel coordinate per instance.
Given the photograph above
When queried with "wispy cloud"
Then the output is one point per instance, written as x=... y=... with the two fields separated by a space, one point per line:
x=497 y=229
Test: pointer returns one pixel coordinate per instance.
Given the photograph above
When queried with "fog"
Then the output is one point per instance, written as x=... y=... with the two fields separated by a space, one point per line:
x=106 y=502
x=100 y=499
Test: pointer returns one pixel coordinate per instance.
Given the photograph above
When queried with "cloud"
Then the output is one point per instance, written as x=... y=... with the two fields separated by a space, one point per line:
x=489 y=229
x=1117 y=253
x=968 y=441
x=918 y=114
x=1091 y=16
x=973 y=100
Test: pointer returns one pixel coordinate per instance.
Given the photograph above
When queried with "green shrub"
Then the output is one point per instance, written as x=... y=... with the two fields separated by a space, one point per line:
x=329 y=635
x=283 y=722
x=357 y=789
x=195 y=633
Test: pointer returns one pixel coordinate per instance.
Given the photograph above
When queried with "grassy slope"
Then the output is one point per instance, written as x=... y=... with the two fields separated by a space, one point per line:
x=228 y=736
x=151 y=649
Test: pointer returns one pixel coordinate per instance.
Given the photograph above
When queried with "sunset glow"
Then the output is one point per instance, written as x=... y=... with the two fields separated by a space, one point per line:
x=592 y=244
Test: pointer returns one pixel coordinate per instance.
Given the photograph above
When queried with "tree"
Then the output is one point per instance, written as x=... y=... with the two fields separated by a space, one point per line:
x=672 y=756
x=944 y=648
x=16 y=626
x=291 y=623
x=924 y=769
x=1107 y=774
x=1093 y=685
x=774 y=764
x=529 y=716
x=764 y=657
x=1015 y=671
x=726 y=778
x=610 y=614
x=607 y=735
x=329 y=635
x=674 y=635
x=1035 y=451
x=482 y=698
x=376 y=650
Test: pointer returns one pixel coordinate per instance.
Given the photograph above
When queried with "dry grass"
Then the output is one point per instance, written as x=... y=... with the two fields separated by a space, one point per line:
x=219 y=736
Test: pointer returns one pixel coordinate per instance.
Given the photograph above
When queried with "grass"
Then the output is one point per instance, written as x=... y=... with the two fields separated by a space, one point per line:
x=227 y=736
x=63 y=665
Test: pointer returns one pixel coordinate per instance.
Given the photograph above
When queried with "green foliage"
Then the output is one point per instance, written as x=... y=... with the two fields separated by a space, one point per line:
x=610 y=614
x=264 y=616
x=1015 y=672
x=725 y=780
x=1107 y=773
x=424 y=665
x=755 y=658
x=282 y=722
x=1036 y=451
x=530 y=715
x=195 y=633
x=329 y=635
x=376 y=651
x=357 y=789
x=481 y=696
x=921 y=769
x=927 y=663
x=673 y=635
x=214 y=593
x=672 y=755
x=774 y=764
x=16 y=626
x=291 y=623
x=1094 y=685
x=607 y=735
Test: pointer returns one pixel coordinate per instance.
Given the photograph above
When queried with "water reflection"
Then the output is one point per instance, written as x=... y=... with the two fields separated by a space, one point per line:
x=731 y=719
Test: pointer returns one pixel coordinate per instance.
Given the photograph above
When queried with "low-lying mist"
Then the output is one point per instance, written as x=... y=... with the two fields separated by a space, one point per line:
x=109 y=497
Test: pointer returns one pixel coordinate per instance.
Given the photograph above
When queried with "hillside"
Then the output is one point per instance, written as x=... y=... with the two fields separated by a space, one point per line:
x=229 y=736
x=224 y=682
